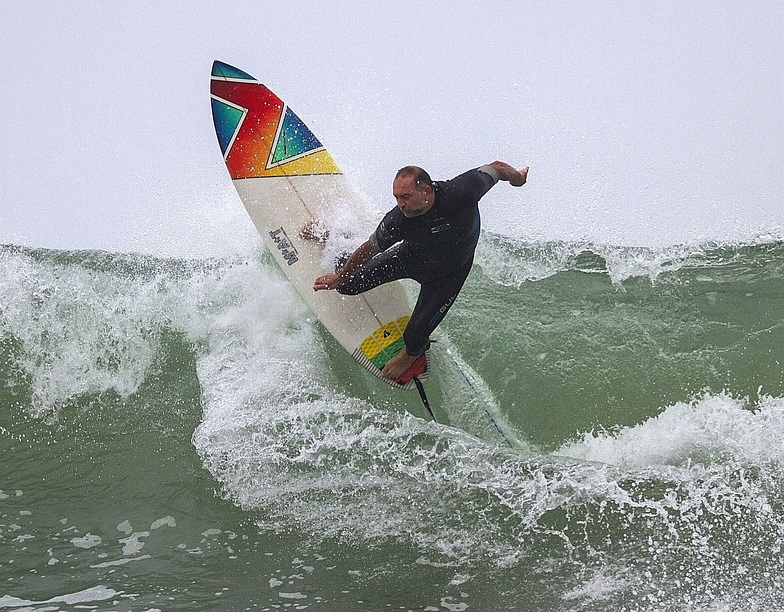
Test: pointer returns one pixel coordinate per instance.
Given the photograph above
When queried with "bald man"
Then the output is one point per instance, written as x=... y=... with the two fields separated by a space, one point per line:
x=430 y=236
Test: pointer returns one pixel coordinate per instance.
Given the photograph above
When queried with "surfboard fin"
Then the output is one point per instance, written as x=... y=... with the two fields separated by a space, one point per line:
x=421 y=388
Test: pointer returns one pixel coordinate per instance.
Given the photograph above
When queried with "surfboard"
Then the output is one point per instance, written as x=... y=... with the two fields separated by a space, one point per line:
x=285 y=178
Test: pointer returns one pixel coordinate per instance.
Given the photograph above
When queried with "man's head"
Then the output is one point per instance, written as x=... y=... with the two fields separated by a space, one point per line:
x=413 y=191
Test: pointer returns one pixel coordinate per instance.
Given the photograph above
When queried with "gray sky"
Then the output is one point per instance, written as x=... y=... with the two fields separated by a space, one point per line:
x=649 y=123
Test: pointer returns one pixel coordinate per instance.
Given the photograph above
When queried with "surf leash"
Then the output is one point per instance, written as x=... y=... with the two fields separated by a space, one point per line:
x=485 y=407
x=421 y=388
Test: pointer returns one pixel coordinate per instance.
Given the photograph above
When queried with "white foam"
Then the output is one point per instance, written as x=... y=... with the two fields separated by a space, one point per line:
x=87 y=541
x=166 y=521
x=281 y=437
x=469 y=401
x=599 y=586
x=512 y=262
x=120 y=562
x=334 y=466
x=81 y=331
x=133 y=544
x=710 y=429
x=96 y=593
x=88 y=331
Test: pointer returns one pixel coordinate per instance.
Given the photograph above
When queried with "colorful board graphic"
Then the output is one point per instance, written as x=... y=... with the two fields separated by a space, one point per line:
x=258 y=134
x=285 y=178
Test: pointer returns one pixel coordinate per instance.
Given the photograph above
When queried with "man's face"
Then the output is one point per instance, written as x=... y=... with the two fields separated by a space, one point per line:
x=412 y=200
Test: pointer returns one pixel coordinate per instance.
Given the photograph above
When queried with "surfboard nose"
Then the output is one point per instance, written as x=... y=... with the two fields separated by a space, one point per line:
x=222 y=70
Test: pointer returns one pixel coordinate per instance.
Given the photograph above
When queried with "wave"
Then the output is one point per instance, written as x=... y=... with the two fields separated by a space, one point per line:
x=649 y=406
x=77 y=323
x=570 y=339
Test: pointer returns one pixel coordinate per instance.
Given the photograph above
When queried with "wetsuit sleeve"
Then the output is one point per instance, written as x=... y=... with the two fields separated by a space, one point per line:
x=470 y=186
x=488 y=169
x=387 y=233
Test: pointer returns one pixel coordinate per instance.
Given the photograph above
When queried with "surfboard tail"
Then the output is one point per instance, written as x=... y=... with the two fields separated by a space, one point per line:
x=418 y=369
x=383 y=344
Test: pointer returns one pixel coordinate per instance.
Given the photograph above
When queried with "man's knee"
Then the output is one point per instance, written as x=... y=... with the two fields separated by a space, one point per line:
x=348 y=288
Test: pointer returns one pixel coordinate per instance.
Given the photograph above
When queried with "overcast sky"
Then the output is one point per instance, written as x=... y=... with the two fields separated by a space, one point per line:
x=648 y=123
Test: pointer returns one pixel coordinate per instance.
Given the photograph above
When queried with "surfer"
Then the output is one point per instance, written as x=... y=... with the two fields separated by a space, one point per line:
x=430 y=236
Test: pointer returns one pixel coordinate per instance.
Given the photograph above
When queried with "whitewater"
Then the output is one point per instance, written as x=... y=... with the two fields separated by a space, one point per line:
x=182 y=434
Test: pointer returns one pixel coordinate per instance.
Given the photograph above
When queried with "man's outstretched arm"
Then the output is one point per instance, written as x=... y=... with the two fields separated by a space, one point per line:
x=363 y=254
x=516 y=178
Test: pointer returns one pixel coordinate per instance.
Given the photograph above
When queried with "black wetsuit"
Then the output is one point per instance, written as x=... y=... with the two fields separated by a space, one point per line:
x=435 y=249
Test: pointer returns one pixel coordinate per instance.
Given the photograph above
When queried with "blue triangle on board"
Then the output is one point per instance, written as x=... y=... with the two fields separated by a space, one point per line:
x=295 y=139
x=227 y=119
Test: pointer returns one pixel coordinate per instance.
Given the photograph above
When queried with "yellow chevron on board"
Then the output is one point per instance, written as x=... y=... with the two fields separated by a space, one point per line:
x=320 y=162
x=383 y=337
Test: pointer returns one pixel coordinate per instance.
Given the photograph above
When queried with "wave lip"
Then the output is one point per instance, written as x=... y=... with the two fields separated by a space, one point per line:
x=512 y=261
x=711 y=430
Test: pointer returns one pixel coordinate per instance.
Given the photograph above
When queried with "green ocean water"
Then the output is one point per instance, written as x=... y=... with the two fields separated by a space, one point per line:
x=183 y=435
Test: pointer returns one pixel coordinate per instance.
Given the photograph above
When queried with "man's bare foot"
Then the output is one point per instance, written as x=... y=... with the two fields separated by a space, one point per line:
x=398 y=365
x=314 y=230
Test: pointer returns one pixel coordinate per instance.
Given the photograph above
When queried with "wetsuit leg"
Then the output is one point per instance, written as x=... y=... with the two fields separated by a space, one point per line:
x=391 y=265
x=435 y=299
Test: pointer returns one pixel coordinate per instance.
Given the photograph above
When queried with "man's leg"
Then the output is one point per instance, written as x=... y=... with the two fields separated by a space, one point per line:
x=435 y=299
x=383 y=268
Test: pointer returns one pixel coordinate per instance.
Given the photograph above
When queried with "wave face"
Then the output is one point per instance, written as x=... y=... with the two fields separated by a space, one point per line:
x=643 y=389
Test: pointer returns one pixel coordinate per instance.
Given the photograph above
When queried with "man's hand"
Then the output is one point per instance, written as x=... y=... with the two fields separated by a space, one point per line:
x=328 y=281
x=314 y=230
x=363 y=254
x=516 y=178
